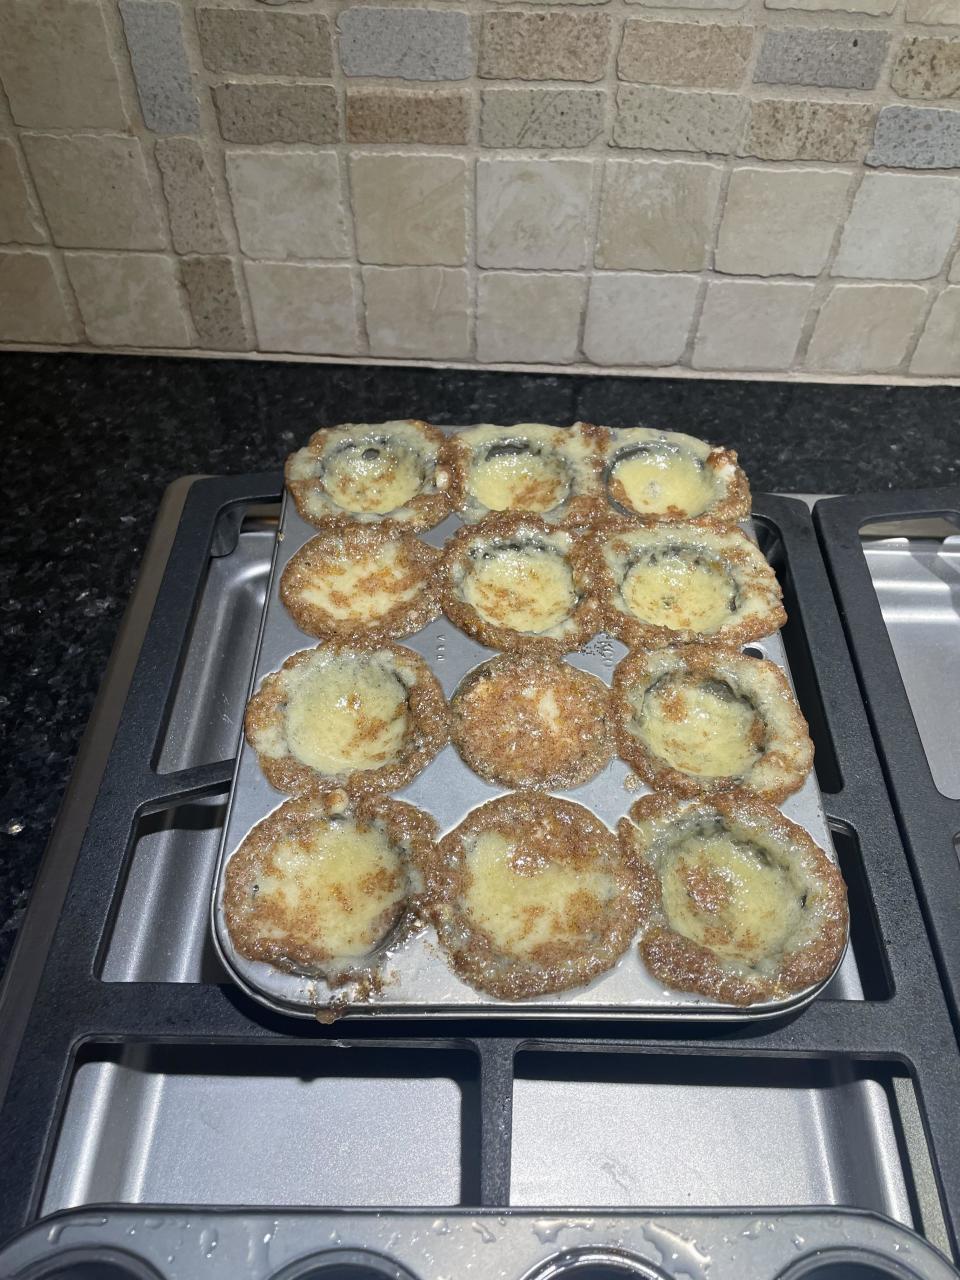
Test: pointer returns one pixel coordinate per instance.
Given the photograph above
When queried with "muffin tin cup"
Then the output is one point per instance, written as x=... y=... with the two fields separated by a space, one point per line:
x=417 y=977
x=549 y=1244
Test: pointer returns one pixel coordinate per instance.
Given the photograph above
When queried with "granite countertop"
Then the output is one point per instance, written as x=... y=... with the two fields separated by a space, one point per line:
x=92 y=441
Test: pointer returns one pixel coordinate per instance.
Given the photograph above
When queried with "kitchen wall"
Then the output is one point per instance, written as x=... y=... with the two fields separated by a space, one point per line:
x=692 y=185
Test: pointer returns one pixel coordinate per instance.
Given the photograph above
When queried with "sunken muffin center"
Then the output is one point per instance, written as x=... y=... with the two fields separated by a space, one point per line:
x=527 y=588
x=351 y=586
x=661 y=479
x=725 y=894
x=514 y=477
x=701 y=727
x=680 y=588
x=347 y=714
x=372 y=477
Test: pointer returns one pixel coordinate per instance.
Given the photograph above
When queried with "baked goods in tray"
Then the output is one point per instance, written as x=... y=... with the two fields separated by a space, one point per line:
x=738 y=903
x=366 y=720
x=670 y=584
x=369 y=472
x=666 y=475
x=525 y=720
x=554 y=472
x=513 y=582
x=700 y=720
x=529 y=895
x=362 y=582
x=321 y=885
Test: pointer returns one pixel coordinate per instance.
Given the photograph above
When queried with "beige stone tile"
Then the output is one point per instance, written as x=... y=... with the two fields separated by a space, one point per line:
x=927 y=67
x=533 y=213
x=751 y=325
x=938 y=351
x=94 y=190
x=639 y=319
x=541 y=117
x=792 y=129
x=529 y=319
x=438 y=117
x=943 y=12
x=262 y=42
x=56 y=66
x=544 y=46
x=277 y=112
x=304 y=309
x=865 y=328
x=675 y=120
x=287 y=204
x=129 y=299
x=410 y=210
x=417 y=312
x=19 y=222
x=188 y=191
x=780 y=222
x=32 y=308
x=213 y=290
x=875 y=8
x=657 y=215
x=690 y=4
x=901 y=227
x=694 y=54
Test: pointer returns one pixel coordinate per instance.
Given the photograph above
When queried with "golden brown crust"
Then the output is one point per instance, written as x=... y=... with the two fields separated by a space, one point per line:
x=499 y=730
x=417 y=564
x=686 y=965
x=428 y=728
x=786 y=754
x=545 y=830
x=585 y=619
x=751 y=572
x=409 y=831
x=423 y=511
x=583 y=505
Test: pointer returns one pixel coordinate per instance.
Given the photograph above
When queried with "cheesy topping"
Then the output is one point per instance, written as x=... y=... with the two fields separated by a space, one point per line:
x=346 y=714
x=375 y=476
x=513 y=477
x=526 y=587
x=680 y=589
x=337 y=892
x=661 y=479
x=726 y=894
x=700 y=727
x=525 y=900
x=355 y=587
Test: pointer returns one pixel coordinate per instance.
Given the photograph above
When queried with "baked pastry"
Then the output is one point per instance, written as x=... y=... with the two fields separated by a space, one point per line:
x=738 y=903
x=320 y=886
x=369 y=472
x=524 y=720
x=553 y=472
x=701 y=720
x=530 y=894
x=513 y=582
x=363 y=582
x=669 y=584
x=366 y=720
x=666 y=475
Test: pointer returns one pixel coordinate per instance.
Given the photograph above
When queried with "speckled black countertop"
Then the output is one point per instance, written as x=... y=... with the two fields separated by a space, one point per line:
x=90 y=443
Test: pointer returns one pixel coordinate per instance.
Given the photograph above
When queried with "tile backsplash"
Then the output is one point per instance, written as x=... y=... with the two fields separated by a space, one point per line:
x=728 y=186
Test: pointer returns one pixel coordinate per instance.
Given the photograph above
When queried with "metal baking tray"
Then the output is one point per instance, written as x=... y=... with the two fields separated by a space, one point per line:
x=118 y=1244
x=417 y=977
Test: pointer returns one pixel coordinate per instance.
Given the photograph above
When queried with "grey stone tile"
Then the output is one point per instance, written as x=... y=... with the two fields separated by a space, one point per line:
x=671 y=120
x=833 y=58
x=213 y=292
x=413 y=44
x=554 y=118
x=277 y=112
x=155 y=39
x=188 y=190
x=901 y=227
x=916 y=138
x=529 y=318
x=639 y=319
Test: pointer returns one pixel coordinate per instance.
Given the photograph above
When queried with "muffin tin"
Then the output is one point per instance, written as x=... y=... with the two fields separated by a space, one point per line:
x=417 y=976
